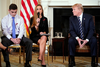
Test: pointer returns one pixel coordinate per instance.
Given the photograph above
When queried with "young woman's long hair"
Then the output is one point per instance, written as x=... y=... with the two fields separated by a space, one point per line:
x=36 y=16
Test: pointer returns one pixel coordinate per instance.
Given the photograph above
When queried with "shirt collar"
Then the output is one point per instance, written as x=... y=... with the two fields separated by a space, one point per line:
x=80 y=15
x=11 y=16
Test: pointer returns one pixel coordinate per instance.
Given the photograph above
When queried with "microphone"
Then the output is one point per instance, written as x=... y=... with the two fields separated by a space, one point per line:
x=38 y=14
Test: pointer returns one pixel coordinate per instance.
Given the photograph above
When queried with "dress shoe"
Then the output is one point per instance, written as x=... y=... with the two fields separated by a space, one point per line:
x=8 y=64
x=93 y=64
x=27 y=65
x=72 y=64
x=43 y=65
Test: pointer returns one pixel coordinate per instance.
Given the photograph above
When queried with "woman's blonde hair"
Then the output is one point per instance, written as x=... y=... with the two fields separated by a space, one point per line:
x=79 y=6
x=36 y=16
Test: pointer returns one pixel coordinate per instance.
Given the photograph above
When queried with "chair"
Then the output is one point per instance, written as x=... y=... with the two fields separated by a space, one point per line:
x=86 y=48
x=23 y=53
x=17 y=46
x=14 y=46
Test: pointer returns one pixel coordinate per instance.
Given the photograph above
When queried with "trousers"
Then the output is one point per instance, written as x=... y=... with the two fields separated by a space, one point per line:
x=24 y=42
x=72 y=42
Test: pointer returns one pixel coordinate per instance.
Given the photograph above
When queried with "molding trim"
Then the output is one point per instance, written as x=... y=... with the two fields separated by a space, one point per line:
x=99 y=2
x=90 y=6
x=55 y=0
x=55 y=3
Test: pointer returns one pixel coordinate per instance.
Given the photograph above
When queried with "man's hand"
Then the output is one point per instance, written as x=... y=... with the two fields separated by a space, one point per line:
x=18 y=40
x=84 y=42
x=79 y=42
x=15 y=40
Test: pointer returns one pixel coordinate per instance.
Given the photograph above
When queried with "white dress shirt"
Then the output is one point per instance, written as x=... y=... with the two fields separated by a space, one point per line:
x=7 y=26
x=81 y=17
x=81 y=23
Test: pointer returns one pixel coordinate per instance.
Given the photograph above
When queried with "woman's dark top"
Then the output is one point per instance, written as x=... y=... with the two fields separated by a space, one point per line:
x=43 y=27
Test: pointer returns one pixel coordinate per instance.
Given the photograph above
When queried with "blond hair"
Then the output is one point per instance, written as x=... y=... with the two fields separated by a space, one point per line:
x=79 y=6
x=34 y=22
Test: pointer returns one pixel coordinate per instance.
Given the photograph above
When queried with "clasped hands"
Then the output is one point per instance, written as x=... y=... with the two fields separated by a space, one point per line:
x=83 y=42
x=15 y=40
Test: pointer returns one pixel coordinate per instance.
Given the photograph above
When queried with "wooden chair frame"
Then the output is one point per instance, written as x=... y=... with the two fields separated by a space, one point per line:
x=15 y=46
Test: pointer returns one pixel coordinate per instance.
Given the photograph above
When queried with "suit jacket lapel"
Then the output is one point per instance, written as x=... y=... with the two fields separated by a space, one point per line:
x=77 y=24
x=83 y=19
x=83 y=22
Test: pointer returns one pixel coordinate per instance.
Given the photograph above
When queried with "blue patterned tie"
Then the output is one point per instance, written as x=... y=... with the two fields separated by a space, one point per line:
x=13 y=28
x=80 y=28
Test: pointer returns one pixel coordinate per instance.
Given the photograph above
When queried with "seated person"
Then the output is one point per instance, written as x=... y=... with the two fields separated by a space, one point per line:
x=81 y=30
x=39 y=25
x=13 y=31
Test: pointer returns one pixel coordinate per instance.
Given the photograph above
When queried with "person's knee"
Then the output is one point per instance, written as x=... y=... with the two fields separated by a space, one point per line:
x=5 y=41
x=43 y=38
x=93 y=41
x=70 y=41
x=28 y=43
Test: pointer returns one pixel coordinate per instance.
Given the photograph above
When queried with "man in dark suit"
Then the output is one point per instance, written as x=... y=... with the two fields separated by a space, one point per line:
x=81 y=30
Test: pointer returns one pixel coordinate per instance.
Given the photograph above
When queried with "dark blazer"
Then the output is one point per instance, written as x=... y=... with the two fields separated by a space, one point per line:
x=43 y=27
x=87 y=26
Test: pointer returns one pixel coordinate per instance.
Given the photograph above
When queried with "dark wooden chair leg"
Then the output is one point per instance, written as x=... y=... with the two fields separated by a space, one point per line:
x=52 y=51
x=68 y=56
x=63 y=51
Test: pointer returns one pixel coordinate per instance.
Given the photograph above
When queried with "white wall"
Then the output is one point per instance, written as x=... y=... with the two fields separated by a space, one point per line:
x=84 y=2
x=4 y=6
x=0 y=11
